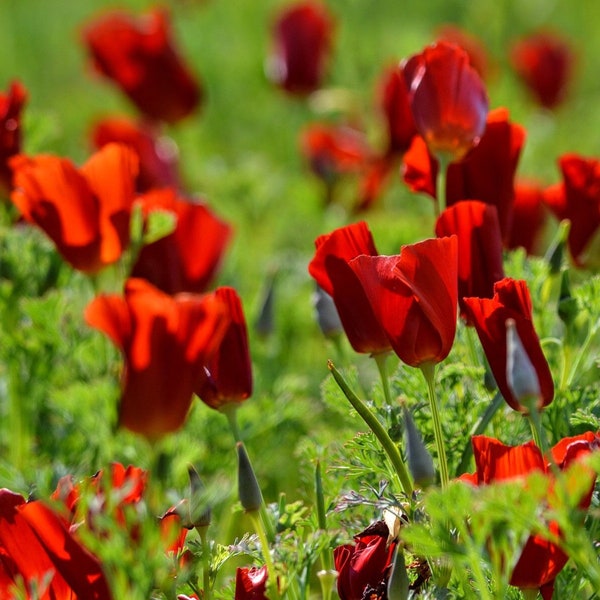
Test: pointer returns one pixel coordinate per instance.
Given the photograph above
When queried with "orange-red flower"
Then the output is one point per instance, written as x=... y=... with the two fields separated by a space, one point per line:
x=85 y=211
x=489 y=315
x=188 y=259
x=414 y=297
x=302 y=42
x=448 y=99
x=138 y=54
x=529 y=216
x=165 y=340
x=251 y=583
x=11 y=105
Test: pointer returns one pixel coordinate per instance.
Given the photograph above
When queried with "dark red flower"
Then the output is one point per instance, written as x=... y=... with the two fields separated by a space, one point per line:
x=540 y=560
x=229 y=372
x=489 y=315
x=38 y=552
x=479 y=246
x=251 y=583
x=577 y=198
x=188 y=259
x=139 y=56
x=302 y=42
x=529 y=216
x=448 y=99
x=165 y=340
x=478 y=57
x=414 y=297
x=11 y=105
x=544 y=62
x=364 y=565
x=157 y=154
x=330 y=268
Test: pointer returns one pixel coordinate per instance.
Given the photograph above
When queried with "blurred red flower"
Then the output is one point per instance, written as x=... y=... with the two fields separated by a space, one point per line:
x=577 y=198
x=330 y=268
x=228 y=374
x=414 y=297
x=157 y=154
x=448 y=99
x=480 y=262
x=529 y=216
x=478 y=56
x=544 y=62
x=302 y=42
x=41 y=557
x=251 y=583
x=188 y=259
x=165 y=340
x=540 y=560
x=489 y=315
x=11 y=105
x=138 y=54
x=363 y=567
x=85 y=211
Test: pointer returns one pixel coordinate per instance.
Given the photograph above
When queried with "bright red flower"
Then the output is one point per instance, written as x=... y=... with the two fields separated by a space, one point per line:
x=188 y=259
x=414 y=297
x=364 y=566
x=544 y=61
x=541 y=560
x=448 y=99
x=165 y=341
x=229 y=372
x=330 y=268
x=38 y=551
x=84 y=211
x=11 y=105
x=138 y=54
x=251 y=583
x=529 y=216
x=489 y=315
x=157 y=154
x=302 y=42
x=479 y=246
x=577 y=198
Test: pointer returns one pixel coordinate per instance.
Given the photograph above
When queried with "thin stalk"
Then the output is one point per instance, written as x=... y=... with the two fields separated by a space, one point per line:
x=583 y=351
x=378 y=430
x=440 y=199
x=381 y=360
x=207 y=593
x=428 y=370
x=264 y=543
x=326 y=575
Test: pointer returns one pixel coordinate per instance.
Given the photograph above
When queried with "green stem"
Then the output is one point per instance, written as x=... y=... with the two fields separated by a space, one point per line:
x=257 y=522
x=440 y=201
x=378 y=430
x=381 y=359
x=207 y=593
x=428 y=370
x=583 y=352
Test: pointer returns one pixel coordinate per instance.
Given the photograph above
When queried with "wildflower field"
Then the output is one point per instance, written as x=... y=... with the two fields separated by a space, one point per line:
x=299 y=300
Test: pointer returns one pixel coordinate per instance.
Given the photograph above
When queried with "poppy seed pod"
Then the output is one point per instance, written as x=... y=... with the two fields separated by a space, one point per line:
x=418 y=458
x=248 y=488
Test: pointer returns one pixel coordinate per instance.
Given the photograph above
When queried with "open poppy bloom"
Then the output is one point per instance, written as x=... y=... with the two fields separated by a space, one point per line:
x=85 y=211
x=251 y=583
x=577 y=199
x=302 y=40
x=448 y=99
x=165 y=340
x=330 y=268
x=541 y=560
x=188 y=259
x=489 y=316
x=414 y=296
x=138 y=54
x=41 y=557
x=11 y=105
x=228 y=374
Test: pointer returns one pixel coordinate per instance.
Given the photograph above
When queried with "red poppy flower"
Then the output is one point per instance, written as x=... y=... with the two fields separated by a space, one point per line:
x=479 y=246
x=529 y=217
x=448 y=99
x=414 y=296
x=157 y=154
x=541 y=560
x=577 y=198
x=166 y=341
x=11 y=105
x=84 y=211
x=38 y=551
x=138 y=54
x=473 y=46
x=302 y=41
x=188 y=259
x=544 y=62
x=229 y=372
x=251 y=583
x=330 y=268
x=364 y=566
x=489 y=315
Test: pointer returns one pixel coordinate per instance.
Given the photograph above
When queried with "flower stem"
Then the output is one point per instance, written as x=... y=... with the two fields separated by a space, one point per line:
x=207 y=594
x=378 y=430
x=381 y=362
x=257 y=522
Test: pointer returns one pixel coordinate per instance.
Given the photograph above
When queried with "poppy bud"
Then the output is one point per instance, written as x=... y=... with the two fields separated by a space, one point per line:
x=398 y=584
x=521 y=375
x=420 y=463
x=200 y=513
x=327 y=314
x=567 y=305
x=248 y=488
